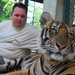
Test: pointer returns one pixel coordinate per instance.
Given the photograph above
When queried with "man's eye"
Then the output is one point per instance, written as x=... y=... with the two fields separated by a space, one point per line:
x=16 y=15
x=22 y=16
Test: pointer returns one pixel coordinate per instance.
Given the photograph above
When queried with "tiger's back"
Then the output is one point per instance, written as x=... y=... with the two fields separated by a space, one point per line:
x=64 y=68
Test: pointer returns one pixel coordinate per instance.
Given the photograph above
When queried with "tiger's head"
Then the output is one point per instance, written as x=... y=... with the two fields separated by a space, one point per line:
x=57 y=39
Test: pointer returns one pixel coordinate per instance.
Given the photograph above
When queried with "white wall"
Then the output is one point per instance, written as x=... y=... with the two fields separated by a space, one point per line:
x=55 y=8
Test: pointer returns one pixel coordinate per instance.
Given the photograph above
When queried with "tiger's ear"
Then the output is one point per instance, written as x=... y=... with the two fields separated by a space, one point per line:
x=49 y=23
x=44 y=18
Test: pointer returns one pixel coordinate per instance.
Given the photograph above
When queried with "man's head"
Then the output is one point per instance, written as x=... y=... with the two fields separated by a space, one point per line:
x=18 y=14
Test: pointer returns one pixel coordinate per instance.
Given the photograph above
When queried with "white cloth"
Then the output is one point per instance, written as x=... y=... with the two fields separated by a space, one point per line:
x=14 y=42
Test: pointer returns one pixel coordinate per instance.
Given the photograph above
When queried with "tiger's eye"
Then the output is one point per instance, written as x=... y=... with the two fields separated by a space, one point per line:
x=70 y=35
x=53 y=31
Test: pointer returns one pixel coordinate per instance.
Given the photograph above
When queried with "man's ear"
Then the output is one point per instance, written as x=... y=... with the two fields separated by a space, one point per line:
x=10 y=15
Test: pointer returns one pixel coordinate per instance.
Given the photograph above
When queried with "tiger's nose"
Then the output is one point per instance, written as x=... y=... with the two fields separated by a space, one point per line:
x=60 y=46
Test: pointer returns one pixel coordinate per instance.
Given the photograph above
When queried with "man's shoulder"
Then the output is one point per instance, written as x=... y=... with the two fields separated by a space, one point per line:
x=5 y=22
x=31 y=28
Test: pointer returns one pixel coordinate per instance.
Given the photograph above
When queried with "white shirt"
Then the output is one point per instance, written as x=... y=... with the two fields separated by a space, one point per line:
x=14 y=42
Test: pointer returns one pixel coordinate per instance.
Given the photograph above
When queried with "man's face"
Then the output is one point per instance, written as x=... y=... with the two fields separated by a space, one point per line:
x=18 y=16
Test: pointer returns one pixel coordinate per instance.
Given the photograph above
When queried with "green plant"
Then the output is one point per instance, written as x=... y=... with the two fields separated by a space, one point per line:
x=36 y=17
x=6 y=6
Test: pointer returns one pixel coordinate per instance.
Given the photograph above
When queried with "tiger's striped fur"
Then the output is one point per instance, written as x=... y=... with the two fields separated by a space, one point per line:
x=11 y=65
x=47 y=66
x=57 y=52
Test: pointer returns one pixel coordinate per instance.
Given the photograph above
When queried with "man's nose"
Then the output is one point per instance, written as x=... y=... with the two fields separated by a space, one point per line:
x=19 y=17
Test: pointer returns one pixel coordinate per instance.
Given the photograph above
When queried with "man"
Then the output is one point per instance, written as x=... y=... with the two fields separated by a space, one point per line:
x=17 y=38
